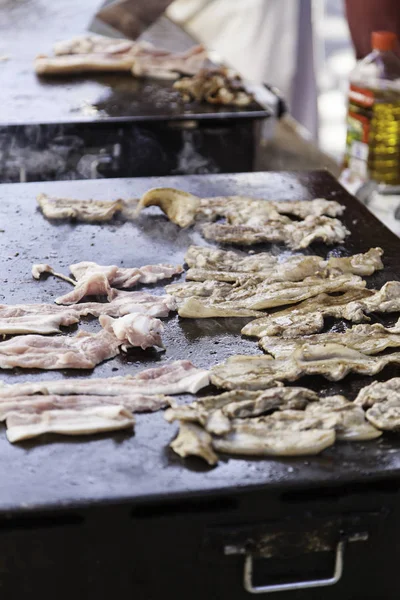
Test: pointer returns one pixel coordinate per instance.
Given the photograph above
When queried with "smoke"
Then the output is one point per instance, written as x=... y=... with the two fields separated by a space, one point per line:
x=190 y=161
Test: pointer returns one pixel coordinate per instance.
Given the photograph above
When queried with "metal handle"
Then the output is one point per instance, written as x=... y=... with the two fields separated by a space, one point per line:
x=296 y=585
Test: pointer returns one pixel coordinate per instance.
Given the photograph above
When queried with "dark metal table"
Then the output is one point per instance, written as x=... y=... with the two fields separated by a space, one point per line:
x=106 y=125
x=122 y=511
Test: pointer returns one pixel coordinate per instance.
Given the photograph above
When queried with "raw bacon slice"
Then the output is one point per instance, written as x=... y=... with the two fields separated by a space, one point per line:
x=123 y=303
x=95 y=44
x=89 y=421
x=135 y=403
x=82 y=351
x=177 y=377
x=39 y=269
x=93 y=284
x=135 y=330
x=43 y=324
x=122 y=277
x=83 y=63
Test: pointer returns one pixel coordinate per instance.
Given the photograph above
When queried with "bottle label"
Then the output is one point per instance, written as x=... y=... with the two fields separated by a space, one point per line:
x=359 y=116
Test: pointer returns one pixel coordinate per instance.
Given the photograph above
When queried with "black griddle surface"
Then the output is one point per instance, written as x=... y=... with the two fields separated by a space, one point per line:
x=122 y=467
x=28 y=99
x=29 y=29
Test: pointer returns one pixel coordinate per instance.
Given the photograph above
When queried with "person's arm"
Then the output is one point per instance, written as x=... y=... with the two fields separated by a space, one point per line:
x=132 y=17
x=365 y=16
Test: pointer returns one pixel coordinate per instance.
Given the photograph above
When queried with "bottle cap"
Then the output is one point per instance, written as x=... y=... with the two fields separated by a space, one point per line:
x=383 y=40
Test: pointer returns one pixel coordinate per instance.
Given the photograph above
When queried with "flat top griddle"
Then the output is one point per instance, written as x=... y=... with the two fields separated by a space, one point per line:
x=122 y=467
x=28 y=29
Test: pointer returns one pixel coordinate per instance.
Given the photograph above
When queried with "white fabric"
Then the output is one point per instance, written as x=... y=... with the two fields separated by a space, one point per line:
x=267 y=41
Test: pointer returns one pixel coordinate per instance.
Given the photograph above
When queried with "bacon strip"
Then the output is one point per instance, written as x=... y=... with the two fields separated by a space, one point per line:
x=22 y=426
x=177 y=377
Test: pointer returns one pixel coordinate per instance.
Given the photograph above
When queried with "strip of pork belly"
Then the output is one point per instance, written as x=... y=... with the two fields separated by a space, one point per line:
x=243 y=442
x=214 y=259
x=81 y=210
x=81 y=351
x=88 y=421
x=333 y=361
x=215 y=412
x=37 y=323
x=93 y=44
x=297 y=235
x=351 y=424
x=83 y=63
x=201 y=289
x=296 y=268
x=304 y=318
x=180 y=207
x=39 y=268
x=93 y=284
x=292 y=268
x=379 y=391
x=242 y=210
x=122 y=277
x=193 y=440
x=177 y=377
x=308 y=316
x=34 y=404
x=123 y=303
x=249 y=297
x=169 y=65
x=183 y=208
x=135 y=330
x=385 y=300
x=368 y=339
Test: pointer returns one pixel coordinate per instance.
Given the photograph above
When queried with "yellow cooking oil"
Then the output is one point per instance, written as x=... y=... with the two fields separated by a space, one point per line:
x=384 y=138
x=373 y=120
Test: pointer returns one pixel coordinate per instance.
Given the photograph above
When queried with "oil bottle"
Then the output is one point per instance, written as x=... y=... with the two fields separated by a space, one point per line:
x=373 y=120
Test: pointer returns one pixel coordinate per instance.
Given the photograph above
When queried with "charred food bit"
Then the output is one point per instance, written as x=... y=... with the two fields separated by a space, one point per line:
x=215 y=86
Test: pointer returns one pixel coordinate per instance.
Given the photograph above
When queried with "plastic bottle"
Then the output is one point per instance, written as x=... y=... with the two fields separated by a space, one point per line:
x=373 y=121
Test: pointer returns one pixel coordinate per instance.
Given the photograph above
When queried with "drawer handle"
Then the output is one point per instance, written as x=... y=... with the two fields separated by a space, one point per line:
x=296 y=585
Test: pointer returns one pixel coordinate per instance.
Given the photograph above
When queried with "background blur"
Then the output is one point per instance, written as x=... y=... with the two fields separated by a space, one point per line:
x=302 y=47
x=337 y=61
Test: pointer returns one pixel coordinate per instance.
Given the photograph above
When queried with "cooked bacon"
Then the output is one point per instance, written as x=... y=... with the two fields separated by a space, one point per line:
x=177 y=377
x=88 y=421
x=333 y=361
x=43 y=324
x=162 y=64
x=83 y=63
x=244 y=300
x=135 y=330
x=93 y=284
x=81 y=210
x=82 y=351
x=219 y=265
x=296 y=234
